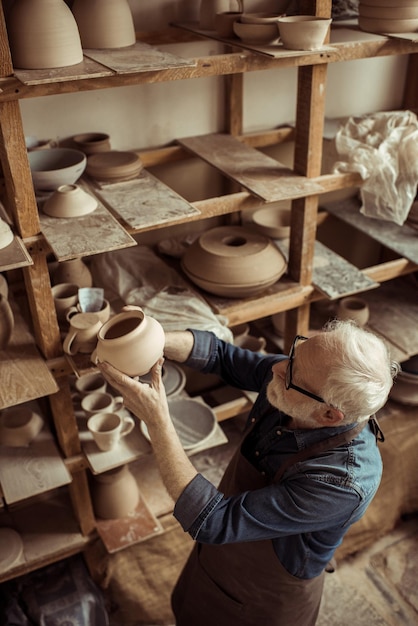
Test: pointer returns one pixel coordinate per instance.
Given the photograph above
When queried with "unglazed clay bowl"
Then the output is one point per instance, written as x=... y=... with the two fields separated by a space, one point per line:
x=256 y=33
x=303 y=32
x=114 y=165
x=273 y=222
x=19 y=425
x=405 y=389
x=260 y=18
x=69 y=201
x=389 y=12
x=382 y=25
x=55 y=167
x=90 y=143
x=233 y=256
x=194 y=421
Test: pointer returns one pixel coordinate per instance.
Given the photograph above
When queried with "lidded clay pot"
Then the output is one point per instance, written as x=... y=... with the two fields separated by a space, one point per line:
x=104 y=23
x=115 y=493
x=130 y=341
x=43 y=34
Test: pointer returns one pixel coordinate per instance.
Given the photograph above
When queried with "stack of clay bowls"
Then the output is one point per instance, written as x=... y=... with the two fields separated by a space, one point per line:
x=114 y=166
x=233 y=261
x=388 y=16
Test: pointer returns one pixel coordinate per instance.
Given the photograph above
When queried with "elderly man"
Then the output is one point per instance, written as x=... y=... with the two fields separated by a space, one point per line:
x=307 y=468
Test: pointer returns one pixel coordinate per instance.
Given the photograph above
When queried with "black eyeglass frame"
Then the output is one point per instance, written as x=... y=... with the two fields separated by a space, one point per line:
x=289 y=373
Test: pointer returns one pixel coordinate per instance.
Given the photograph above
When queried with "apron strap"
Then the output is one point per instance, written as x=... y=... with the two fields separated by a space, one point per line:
x=318 y=448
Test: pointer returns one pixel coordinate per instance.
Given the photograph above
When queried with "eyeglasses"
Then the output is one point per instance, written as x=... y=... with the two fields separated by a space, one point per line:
x=289 y=372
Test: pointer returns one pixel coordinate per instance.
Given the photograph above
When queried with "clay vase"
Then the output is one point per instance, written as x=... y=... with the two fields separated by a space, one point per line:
x=353 y=308
x=130 y=341
x=43 y=34
x=104 y=23
x=115 y=493
x=6 y=322
x=73 y=271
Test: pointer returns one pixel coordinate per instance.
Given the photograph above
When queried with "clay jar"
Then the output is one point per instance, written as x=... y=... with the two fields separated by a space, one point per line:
x=43 y=34
x=353 y=308
x=115 y=493
x=73 y=271
x=130 y=341
x=104 y=23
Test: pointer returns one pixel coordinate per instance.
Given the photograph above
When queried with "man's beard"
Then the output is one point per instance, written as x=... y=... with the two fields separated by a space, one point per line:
x=277 y=395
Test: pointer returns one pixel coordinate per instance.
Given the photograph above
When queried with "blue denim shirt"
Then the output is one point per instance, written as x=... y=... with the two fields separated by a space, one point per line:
x=306 y=514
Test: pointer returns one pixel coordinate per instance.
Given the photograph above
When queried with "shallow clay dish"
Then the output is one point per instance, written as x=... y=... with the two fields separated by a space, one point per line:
x=382 y=25
x=114 y=165
x=389 y=13
x=54 y=167
x=303 y=32
x=69 y=201
x=273 y=222
x=173 y=377
x=194 y=421
x=256 y=33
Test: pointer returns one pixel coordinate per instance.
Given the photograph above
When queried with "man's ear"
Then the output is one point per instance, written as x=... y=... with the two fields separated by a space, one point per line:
x=331 y=417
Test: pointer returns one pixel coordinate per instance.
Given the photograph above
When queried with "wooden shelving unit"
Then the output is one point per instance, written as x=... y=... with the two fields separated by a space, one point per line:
x=36 y=239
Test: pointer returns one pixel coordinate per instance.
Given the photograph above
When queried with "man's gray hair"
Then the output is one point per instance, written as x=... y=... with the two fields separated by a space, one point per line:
x=361 y=371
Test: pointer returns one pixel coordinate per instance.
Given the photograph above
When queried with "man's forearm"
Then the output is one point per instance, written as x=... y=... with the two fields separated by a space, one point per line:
x=178 y=345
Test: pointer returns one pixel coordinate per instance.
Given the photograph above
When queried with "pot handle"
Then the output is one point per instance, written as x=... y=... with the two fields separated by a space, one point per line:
x=128 y=426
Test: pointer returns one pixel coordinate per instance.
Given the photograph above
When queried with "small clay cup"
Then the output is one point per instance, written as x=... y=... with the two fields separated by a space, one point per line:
x=108 y=429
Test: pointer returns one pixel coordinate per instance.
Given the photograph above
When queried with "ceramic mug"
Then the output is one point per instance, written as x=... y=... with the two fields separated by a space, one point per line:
x=82 y=336
x=92 y=382
x=19 y=426
x=103 y=313
x=65 y=296
x=99 y=402
x=109 y=428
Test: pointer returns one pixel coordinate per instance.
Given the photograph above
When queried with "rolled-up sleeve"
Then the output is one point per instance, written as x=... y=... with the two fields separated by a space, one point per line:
x=195 y=504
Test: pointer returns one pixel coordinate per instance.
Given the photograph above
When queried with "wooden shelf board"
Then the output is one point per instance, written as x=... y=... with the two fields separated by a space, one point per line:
x=258 y=173
x=144 y=202
x=28 y=471
x=400 y=239
x=49 y=532
x=332 y=275
x=25 y=374
x=14 y=255
x=94 y=233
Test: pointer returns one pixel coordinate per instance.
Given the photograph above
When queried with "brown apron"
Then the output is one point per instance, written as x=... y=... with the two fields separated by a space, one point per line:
x=244 y=584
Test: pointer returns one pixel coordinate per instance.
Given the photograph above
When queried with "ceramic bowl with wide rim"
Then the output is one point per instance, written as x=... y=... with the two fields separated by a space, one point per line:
x=231 y=291
x=303 y=32
x=54 y=167
x=233 y=255
x=194 y=421
x=257 y=34
x=273 y=221
x=69 y=201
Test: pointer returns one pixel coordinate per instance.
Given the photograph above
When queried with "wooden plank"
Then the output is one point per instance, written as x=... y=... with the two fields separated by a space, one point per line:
x=401 y=239
x=260 y=174
x=141 y=57
x=32 y=470
x=394 y=314
x=14 y=255
x=86 y=235
x=88 y=68
x=332 y=275
x=24 y=373
x=144 y=202
x=118 y=534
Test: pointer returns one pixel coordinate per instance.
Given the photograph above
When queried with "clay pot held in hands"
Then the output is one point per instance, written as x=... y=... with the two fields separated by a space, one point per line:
x=130 y=341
